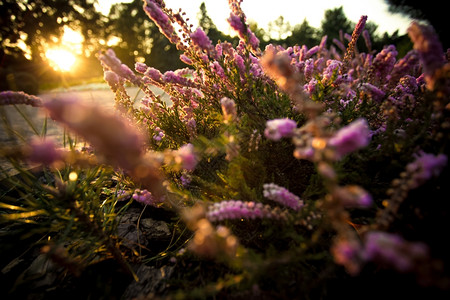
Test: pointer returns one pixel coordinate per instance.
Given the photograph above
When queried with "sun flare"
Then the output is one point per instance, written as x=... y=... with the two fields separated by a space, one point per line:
x=60 y=59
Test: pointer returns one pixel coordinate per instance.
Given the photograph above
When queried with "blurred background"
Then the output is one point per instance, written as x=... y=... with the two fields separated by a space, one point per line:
x=46 y=44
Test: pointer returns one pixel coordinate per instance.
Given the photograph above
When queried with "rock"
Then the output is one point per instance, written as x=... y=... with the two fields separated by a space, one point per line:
x=131 y=235
x=155 y=230
x=151 y=280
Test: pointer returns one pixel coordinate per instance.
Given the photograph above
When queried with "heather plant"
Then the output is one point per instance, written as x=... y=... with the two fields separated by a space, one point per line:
x=288 y=172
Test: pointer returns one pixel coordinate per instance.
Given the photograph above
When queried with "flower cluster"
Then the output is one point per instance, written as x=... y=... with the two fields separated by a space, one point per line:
x=279 y=128
x=350 y=138
x=11 y=98
x=425 y=167
x=392 y=250
x=44 y=151
x=385 y=249
x=367 y=128
x=236 y=209
x=281 y=195
x=145 y=197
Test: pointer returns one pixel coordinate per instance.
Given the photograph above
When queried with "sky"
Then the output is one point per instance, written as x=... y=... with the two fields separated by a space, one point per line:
x=293 y=11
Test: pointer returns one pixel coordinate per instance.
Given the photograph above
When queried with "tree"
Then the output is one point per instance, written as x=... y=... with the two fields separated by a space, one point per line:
x=207 y=24
x=334 y=21
x=303 y=34
x=430 y=11
x=37 y=23
x=29 y=27
x=279 y=29
x=140 y=39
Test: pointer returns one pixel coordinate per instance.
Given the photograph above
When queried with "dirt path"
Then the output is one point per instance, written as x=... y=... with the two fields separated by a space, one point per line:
x=19 y=126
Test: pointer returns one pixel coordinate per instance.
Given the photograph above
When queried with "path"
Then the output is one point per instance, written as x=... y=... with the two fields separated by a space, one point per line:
x=98 y=93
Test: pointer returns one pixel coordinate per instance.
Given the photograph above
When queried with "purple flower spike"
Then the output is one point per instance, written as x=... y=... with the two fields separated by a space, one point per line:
x=425 y=167
x=236 y=209
x=200 y=39
x=351 y=138
x=44 y=151
x=10 y=97
x=430 y=49
x=279 y=128
x=186 y=157
x=145 y=197
x=281 y=195
x=392 y=250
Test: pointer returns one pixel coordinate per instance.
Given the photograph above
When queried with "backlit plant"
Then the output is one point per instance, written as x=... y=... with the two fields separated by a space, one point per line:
x=286 y=166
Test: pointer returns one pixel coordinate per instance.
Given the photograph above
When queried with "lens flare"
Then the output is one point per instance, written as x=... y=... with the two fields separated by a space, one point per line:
x=60 y=59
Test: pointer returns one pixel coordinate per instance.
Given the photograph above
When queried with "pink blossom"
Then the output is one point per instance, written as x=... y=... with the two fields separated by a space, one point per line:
x=281 y=195
x=155 y=13
x=112 y=135
x=185 y=59
x=347 y=252
x=376 y=94
x=112 y=79
x=43 y=151
x=427 y=43
x=11 y=98
x=140 y=67
x=186 y=157
x=236 y=209
x=154 y=74
x=391 y=250
x=279 y=128
x=353 y=196
x=110 y=62
x=200 y=39
x=145 y=197
x=350 y=138
x=425 y=167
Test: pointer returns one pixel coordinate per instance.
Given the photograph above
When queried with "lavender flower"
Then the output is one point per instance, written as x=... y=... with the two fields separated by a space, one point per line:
x=145 y=197
x=236 y=209
x=228 y=109
x=163 y=22
x=353 y=196
x=376 y=94
x=392 y=250
x=120 y=143
x=279 y=128
x=154 y=74
x=351 y=45
x=185 y=157
x=426 y=42
x=185 y=59
x=112 y=79
x=110 y=134
x=347 y=252
x=243 y=31
x=200 y=39
x=281 y=195
x=383 y=64
x=331 y=71
x=110 y=62
x=217 y=68
x=350 y=138
x=425 y=167
x=11 y=98
x=367 y=40
x=43 y=151
x=172 y=77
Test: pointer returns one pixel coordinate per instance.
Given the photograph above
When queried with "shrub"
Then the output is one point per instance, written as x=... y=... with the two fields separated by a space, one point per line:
x=297 y=172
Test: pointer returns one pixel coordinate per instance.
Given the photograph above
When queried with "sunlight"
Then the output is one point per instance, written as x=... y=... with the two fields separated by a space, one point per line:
x=60 y=59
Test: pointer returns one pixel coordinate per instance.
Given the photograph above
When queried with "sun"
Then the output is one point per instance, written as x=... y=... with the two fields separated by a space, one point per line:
x=60 y=59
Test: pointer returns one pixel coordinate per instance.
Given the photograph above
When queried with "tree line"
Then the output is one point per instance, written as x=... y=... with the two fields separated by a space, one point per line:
x=28 y=28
